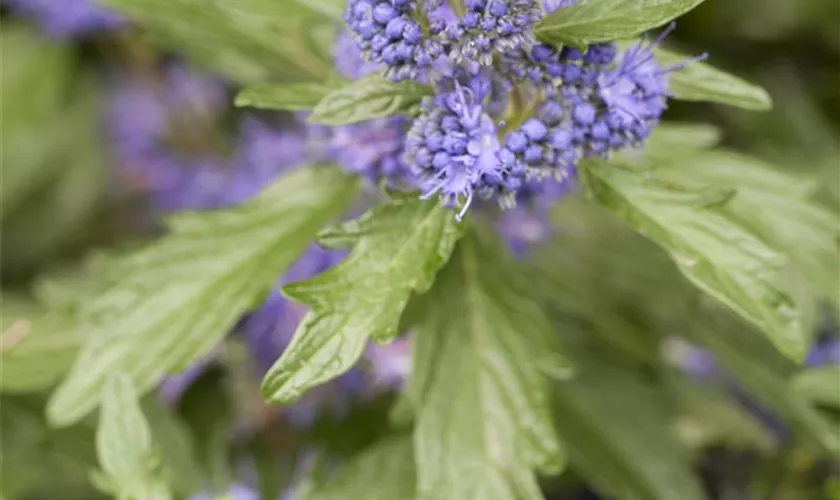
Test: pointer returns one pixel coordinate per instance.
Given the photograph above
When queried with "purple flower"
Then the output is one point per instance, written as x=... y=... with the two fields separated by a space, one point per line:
x=347 y=58
x=386 y=32
x=825 y=352
x=67 y=18
x=372 y=149
x=528 y=223
x=452 y=146
x=235 y=492
x=390 y=364
x=552 y=5
x=491 y=27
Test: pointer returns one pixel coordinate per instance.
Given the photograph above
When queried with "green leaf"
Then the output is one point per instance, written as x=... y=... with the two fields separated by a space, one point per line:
x=718 y=254
x=384 y=471
x=607 y=20
x=759 y=369
x=670 y=139
x=39 y=462
x=290 y=96
x=711 y=417
x=334 y=9
x=174 y=300
x=172 y=438
x=124 y=442
x=36 y=348
x=776 y=206
x=397 y=249
x=370 y=97
x=699 y=81
x=617 y=432
x=479 y=390
x=249 y=40
x=820 y=385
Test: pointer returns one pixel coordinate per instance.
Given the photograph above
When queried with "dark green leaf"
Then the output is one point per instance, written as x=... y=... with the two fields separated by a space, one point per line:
x=384 y=471
x=124 y=443
x=177 y=298
x=479 y=389
x=699 y=81
x=370 y=97
x=39 y=462
x=718 y=254
x=290 y=96
x=607 y=20
x=397 y=249
x=617 y=432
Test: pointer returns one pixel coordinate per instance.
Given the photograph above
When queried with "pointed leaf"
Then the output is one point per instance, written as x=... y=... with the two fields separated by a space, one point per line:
x=397 y=249
x=699 y=81
x=616 y=429
x=716 y=253
x=606 y=20
x=479 y=387
x=290 y=96
x=174 y=300
x=124 y=441
x=373 y=96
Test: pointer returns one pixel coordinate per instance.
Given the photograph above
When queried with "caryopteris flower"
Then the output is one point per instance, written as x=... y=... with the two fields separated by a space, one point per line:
x=386 y=32
x=453 y=145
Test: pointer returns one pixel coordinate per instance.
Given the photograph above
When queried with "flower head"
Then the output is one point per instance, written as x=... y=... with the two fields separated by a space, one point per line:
x=386 y=32
x=491 y=27
x=452 y=146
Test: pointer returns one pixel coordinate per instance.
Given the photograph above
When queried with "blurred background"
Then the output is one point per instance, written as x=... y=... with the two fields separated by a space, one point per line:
x=107 y=126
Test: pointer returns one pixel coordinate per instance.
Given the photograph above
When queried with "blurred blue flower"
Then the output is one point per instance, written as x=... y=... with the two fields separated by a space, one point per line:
x=65 y=19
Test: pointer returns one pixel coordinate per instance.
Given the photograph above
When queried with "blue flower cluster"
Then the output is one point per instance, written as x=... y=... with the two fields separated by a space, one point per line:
x=509 y=112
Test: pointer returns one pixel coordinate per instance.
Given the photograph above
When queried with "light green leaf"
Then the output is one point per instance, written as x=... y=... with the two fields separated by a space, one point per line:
x=699 y=81
x=617 y=433
x=291 y=96
x=334 y=9
x=775 y=205
x=718 y=254
x=384 y=471
x=36 y=346
x=820 y=385
x=479 y=389
x=607 y=20
x=174 y=300
x=174 y=442
x=124 y=442
x=370 y=97
x=397 y=249
x=670 y=139
x=249 y=40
